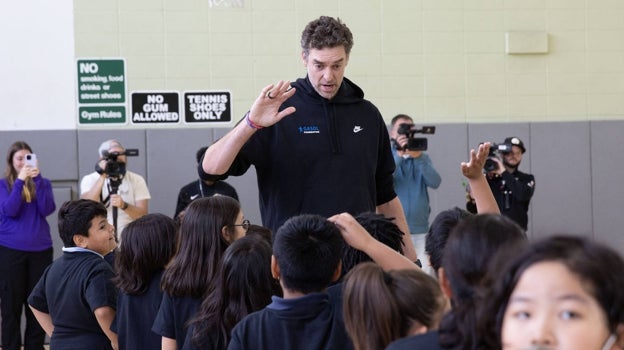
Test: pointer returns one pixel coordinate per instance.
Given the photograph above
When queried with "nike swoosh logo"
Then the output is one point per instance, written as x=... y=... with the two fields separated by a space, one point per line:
x=357 y=129
x=195 y=196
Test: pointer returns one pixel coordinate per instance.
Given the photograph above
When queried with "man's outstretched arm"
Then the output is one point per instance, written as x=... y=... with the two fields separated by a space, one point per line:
x=263 y=113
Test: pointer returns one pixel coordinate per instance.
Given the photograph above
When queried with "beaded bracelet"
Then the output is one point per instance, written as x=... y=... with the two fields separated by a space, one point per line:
x=252 y=124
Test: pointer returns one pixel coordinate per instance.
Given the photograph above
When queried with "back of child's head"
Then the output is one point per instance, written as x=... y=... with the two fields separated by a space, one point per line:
x=439 y=232
x=200 y=245
x=382 y=229
x=246 y=273
x=380 y=307
x=371 y=313
x=470 y=249
x=428 y=307
x=243 y=284
x=149 y=243
x=74 y=218
x=308 y=250
x=208 y=214
x=472 y=245
x=202 y=226
x=261 y=231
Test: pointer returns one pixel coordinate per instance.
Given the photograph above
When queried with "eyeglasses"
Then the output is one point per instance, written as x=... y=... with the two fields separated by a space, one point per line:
x=245 y=225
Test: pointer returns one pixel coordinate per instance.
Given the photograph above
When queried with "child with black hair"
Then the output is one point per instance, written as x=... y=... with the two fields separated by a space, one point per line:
x=306 y=259
x=209 y=226
x=148 y=245
x=379 y=227
x=261 y=231
x=75 y=300
x=242 y=285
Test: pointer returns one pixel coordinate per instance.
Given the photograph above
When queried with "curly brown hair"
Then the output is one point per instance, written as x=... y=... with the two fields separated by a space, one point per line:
x=326 y=32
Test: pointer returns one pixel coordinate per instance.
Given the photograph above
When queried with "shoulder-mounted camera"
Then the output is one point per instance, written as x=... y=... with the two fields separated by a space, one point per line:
x=413 y=143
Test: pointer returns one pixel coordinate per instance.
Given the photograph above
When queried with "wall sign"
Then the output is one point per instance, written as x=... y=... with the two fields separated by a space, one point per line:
x=155 y=107
x=207 y=107
x=101 y=91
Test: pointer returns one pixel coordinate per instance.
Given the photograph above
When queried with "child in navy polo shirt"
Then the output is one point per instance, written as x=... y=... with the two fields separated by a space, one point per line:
x=306 y=260
x=75 y=300
x=148 y=245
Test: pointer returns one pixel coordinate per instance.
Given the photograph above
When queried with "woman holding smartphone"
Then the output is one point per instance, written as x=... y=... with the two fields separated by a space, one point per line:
x=25 y=243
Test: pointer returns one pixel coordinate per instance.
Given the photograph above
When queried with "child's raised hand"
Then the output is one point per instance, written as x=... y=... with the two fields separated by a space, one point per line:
x=474 y=168
x=353 y=233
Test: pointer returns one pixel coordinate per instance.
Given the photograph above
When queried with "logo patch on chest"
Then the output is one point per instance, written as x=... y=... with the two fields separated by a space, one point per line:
x=309 y=129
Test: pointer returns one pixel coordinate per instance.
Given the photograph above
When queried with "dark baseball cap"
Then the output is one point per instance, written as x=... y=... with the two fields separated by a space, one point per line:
x=515 y=141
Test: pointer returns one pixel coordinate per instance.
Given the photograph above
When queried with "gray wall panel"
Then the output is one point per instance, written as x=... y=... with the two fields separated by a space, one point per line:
x=607 y=161
x=61 y=195
x=561 y=159
x=171 y=163
x=447 y=149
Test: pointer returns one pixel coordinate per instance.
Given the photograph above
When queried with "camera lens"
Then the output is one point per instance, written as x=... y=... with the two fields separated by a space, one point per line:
x=490 y=164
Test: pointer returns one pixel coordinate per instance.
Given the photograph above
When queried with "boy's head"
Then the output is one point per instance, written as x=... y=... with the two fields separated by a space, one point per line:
x=439 y=232
x=82 y=223
x=382 y=229
x=306 y=253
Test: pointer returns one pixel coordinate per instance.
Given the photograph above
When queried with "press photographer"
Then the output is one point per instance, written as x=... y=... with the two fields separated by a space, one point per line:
x=512 y=188
x=122 y=191
x=413 y=175
x=406 y=139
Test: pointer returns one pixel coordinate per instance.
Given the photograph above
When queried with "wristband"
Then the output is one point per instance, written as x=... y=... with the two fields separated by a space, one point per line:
x=252 y=124
x=418 y=263
x=124 y=206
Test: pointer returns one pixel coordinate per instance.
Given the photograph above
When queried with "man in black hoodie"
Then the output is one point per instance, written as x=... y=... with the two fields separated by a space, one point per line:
x=331 y=155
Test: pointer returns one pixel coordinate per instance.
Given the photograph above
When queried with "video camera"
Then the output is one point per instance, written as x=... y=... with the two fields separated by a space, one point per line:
x=495 y=150
x=413 y=143
x=114 y=168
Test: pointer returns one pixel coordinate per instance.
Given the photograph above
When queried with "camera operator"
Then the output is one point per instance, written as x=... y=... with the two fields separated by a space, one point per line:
x=414 y=173
x=512 y=188
x=132 y=195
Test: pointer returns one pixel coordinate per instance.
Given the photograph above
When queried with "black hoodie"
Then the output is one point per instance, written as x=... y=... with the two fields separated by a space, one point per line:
x=328 y=157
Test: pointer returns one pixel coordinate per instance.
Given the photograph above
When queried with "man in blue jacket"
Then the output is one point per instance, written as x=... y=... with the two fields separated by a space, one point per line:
x=331 y=155
x=414 y=174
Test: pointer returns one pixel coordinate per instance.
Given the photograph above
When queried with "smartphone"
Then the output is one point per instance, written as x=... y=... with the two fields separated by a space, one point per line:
x=31 y=159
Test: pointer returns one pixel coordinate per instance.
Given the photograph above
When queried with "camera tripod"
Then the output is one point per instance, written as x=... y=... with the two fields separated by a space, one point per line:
x=113 y=188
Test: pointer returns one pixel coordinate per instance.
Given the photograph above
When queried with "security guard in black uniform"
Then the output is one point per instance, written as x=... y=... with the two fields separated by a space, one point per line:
x=512 y=188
